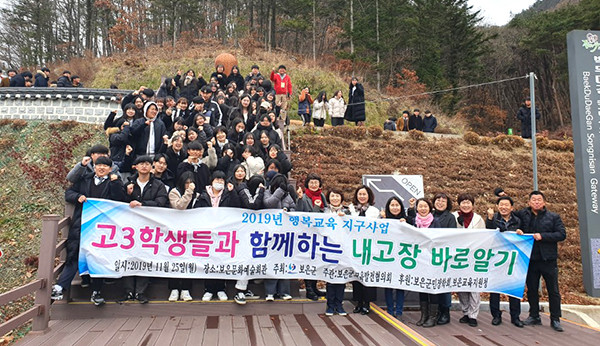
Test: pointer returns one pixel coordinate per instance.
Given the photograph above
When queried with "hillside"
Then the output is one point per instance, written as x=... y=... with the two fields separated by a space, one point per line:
x=149 y=67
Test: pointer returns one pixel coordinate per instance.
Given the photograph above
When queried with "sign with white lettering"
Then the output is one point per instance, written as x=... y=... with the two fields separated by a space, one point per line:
x=584 y=80
x=404 y=187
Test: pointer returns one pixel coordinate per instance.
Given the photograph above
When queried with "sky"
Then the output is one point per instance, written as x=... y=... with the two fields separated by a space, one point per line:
x=498 y=12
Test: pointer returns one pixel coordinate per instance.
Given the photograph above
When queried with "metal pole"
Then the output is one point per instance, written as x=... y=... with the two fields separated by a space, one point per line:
x=533 y=130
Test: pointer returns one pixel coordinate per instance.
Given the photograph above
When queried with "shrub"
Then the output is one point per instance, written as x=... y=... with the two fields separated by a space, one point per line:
x=483 y=118
x=485 y=141
x=508 y=142
x=375 y=131
x=471 y=138
x=6 y=143
x=339 y=131
x=19 y=124
x=359 y=132
x=417 y=135
x=4 y=122
x=541 y=141
x=387 y=135
x=63 y=125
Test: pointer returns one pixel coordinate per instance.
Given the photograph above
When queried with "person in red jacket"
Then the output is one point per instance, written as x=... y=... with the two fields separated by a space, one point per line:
x=282 y=84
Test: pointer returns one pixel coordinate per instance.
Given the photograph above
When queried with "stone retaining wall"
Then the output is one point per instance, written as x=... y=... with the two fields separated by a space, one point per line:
x=82 y=105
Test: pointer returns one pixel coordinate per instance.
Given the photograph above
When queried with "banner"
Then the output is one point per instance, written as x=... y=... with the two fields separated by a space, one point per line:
x=230 y=243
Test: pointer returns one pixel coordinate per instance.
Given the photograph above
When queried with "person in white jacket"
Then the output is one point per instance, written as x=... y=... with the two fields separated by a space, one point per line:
x=337 y=108
x=252 y=163
x=467 y=218
x=320 y=109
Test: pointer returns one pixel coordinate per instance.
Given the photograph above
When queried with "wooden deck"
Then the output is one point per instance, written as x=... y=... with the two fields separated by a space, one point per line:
x=311 y=327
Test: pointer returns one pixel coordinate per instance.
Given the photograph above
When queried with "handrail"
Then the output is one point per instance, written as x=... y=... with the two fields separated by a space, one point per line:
x=64 y=222
x=17 y=321
x=46 y=274
x=22 y=291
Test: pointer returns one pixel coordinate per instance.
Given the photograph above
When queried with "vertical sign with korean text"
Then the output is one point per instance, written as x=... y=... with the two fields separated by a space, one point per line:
x=584 y=80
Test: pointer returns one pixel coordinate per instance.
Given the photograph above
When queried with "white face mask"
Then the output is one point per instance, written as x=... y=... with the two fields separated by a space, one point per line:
x=218 y=186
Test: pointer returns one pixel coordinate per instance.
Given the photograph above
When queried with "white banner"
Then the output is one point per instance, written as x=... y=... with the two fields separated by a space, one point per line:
x=229 y=243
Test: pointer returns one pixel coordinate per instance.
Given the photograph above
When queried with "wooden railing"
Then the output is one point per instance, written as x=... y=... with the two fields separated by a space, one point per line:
x=53 y=228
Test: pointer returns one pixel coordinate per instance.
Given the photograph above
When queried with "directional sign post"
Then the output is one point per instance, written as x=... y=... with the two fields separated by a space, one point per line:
x=404 y=187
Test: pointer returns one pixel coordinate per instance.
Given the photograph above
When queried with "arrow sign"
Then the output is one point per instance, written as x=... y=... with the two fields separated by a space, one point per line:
x=404 y=187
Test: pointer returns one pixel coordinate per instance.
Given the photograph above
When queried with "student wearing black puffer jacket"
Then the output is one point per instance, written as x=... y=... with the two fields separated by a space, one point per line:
x=548 y=230
x=443 y=216
x=504 y=221
x=236 y=77
x=142 y=190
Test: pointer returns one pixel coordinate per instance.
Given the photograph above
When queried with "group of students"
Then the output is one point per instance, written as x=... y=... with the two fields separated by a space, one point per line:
x=413 y=121
x=41 y=79
x=224 y=149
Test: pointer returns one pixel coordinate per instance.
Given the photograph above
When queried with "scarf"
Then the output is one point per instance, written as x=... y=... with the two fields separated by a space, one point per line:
x=466 y=217
x=314 y=196
x=424 y=222
x=362 y=209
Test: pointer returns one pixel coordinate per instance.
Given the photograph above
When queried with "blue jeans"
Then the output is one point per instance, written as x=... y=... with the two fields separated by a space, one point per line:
x=389 y=301
x=445 y=300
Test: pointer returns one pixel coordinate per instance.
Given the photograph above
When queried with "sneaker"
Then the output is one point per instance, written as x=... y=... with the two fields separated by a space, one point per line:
x=342 y=312
x=286 y=297
x=85 y=281
x=174 y=296
x=329 y=312
x=185 y=296
x=240 y=298
x=207 y=297
x=97 y=298
x=126 y=297
x=140 y=297
x=250 y=296
x=57 y=293
x=270 y=298
x=222 y=296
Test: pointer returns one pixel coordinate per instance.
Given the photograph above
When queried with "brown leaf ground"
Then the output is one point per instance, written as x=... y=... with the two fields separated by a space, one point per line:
x=453 y=166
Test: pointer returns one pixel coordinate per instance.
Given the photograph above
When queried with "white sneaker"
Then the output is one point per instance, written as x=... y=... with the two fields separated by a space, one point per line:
x=207 y=297
x=174 y=296
x=240 y=298
x=269 y=298
x=185 y=296
x=286 y=297
x=222 y=296
x=56 y=292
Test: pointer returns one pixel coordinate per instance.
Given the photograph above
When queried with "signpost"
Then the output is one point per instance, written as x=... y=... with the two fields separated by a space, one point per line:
x=404 y=187
x=584 y=81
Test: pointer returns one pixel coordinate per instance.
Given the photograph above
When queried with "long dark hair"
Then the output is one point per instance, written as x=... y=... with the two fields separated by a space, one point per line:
x=320 y=96
x=184 y=178
x=388 y=213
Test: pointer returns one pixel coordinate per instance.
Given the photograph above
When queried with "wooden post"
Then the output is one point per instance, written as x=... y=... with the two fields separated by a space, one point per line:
x=46 y=270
